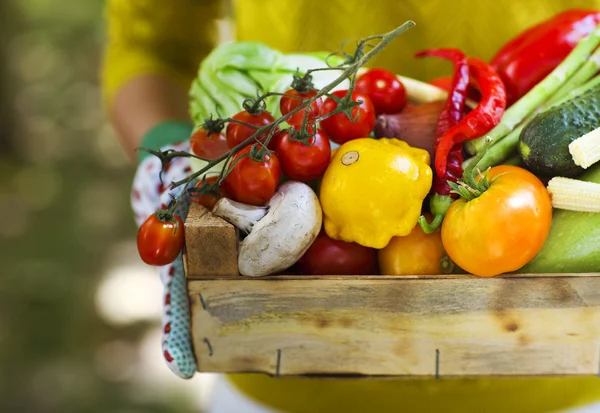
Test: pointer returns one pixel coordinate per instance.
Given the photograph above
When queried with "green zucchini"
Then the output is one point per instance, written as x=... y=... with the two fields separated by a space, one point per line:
x=573 y=244
x=544 y=142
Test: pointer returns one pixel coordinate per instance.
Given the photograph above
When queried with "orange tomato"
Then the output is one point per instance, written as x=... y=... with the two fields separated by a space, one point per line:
x=417 y=253
x=504 y=228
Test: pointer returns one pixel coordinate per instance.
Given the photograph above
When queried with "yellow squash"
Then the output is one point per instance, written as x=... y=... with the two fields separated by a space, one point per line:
x=373 y=190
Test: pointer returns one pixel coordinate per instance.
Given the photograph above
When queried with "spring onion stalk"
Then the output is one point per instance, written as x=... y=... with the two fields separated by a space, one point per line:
x=540 y=93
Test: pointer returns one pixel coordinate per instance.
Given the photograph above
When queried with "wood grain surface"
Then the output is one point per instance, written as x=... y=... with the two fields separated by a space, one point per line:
x=390 y=326
x=210 y=245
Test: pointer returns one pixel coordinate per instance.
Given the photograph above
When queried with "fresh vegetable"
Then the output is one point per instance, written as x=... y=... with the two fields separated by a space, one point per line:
x=499 y=223
x=541 y=92
x=327 y=256
x=572 y=246
x=528 y=58
x=386 y=92
x=237 y=133
x=372 y=190
x=585 y=150
x=303 y=161
x=339 y=127
x=233 y=72
x=574 y=195
x=293 y=98
x=208 y=199
x=208 y=146
x=451 y=115
x=417 y=253
x=479 y=121
x=254 y=176
x=160 y=238
x=415 y=125
x=278 y=234
x=544 y=142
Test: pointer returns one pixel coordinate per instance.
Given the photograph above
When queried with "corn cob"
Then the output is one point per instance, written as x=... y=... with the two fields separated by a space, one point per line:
x=574 y=195
x=586 y=149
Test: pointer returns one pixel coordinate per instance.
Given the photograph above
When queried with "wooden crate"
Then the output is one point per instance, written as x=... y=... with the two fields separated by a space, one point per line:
x=404 y=326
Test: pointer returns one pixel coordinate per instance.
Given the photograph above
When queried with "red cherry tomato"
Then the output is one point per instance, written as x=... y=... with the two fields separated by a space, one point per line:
x=384 y=89
x=293 y=99
x=339 y=127
x=208 y=146
x=160 y=239
x=327 y=256
x=253 y=182
x=303 y=162
x=208 y=200
x=237 y=133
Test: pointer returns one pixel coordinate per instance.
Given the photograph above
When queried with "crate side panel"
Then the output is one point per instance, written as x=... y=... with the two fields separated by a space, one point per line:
x=424 y=328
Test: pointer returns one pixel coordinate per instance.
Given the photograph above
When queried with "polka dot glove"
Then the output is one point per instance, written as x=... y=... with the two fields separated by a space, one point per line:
x=148 y=195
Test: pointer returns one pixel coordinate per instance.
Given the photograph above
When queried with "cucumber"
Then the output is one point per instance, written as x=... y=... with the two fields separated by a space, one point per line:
x=544 y=142
x=573 y=244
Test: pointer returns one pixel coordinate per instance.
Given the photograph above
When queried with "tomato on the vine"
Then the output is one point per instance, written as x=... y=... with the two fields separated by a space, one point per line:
x=209 y=146
x=339 y=127
x=327 y=256
x=253 y=181
x=503 y=228
x=210 y=199
x=386 y=92
x=303 y=161
x=292 y=99
x=160 y=238
x=237 y=133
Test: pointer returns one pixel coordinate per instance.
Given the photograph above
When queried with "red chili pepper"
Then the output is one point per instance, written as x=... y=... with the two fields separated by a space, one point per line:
x=451 y=115
x=480 y=120
x=529 y=57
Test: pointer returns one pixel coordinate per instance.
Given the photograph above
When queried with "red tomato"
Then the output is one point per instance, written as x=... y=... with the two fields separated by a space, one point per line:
x=327 y=256
x=303 y=162
x=237 y=133
x=293 y=99
x=160 y=239
x=209 y=200
x=341 y=129
x=384 y=89
x=208 y=146
x=253 y=182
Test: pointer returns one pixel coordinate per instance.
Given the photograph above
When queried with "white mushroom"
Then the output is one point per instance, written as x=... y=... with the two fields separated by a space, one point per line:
x=278 y=234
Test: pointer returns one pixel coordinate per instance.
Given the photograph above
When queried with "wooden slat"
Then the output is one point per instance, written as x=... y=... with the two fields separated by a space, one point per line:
x=400 y=327
x=211 y=245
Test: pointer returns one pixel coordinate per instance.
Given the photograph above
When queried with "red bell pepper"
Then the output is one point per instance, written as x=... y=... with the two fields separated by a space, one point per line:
x=528 y=58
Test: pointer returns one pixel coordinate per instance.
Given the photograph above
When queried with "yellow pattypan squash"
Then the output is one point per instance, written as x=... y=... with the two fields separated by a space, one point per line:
x=373 y=190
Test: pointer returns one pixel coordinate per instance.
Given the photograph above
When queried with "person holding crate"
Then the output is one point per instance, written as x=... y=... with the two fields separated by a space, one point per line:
x=152 y=56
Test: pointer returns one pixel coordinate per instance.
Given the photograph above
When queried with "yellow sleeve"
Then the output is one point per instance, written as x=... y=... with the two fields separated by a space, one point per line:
x=156 y=37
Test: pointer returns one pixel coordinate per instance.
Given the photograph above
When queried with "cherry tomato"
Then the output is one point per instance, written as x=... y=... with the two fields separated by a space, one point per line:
x=160 y=239
x=293 y=99
x=384 y=89
x=253 y=182
x=339 y=127
x=504 y=228
x=327 y=256
x=415 y=254
x=237 y=133
x=208 y=146
x=209 y=200
x=303 y=162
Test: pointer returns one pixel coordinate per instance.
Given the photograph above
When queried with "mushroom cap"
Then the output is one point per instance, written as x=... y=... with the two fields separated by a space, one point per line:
x=284 y=234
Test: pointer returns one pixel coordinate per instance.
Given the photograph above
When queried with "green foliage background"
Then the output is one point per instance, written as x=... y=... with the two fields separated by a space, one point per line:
x=64 y=214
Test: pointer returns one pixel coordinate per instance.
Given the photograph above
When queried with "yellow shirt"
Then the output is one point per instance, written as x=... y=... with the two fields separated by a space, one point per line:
x=171 y=37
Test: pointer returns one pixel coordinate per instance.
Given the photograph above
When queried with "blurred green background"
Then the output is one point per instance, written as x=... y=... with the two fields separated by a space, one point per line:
x=79 y=311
